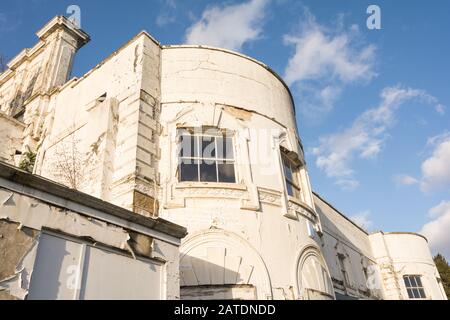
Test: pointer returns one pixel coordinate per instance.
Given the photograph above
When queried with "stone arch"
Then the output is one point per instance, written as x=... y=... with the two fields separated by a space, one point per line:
x=217 y=257
x=312 y=276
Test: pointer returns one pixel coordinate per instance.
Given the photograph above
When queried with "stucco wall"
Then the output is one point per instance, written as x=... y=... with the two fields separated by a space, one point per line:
x=342 y=237
x=400 y=254
x=11 y=132
x=107 y=118
x=34 y=73
x=250 y=230
x=113 y=134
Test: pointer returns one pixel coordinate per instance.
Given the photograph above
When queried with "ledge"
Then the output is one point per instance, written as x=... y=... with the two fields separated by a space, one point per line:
x=210 y=185
x=25 y=179
x=300 y=208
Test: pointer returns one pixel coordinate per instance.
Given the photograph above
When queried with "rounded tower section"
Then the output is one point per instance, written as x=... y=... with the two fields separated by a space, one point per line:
x=407 y=267
x=233 y=172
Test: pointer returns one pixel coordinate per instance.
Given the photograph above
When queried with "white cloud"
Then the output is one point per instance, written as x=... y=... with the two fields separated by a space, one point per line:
x=405 y=180
x=438 y=139
x=365 y=138
x=167 y=14
x=440 y=109
x=363 y=220
x=324 y=62
x=347 y=184
x=436 y=169
x=229 y=26
x=437 y=230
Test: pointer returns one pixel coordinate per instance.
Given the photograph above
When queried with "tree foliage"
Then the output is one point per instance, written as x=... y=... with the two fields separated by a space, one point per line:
x=444 y=270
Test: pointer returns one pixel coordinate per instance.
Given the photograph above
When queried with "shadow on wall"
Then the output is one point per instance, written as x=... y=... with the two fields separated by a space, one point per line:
x=228 y=278
x=350 y=267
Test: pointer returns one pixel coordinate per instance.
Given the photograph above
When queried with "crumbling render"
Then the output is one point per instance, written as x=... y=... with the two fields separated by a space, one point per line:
x=28 y=215
x=37 y=215
x=17 y=285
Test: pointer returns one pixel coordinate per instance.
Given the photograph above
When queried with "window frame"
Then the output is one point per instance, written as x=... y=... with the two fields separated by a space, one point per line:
x=342 y=267
x=412 y=288
x=294 y=169
x=198 y=159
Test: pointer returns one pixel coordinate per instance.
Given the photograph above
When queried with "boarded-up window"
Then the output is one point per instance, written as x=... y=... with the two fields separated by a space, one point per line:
x=68 y=270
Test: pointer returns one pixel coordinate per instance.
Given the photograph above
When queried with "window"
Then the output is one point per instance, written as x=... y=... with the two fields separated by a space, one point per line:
x=414 y=287
x=291 y=174
x=344 y=273
x=207 y=156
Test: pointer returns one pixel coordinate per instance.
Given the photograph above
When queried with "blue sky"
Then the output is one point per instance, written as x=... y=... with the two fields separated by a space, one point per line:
x=373 y=106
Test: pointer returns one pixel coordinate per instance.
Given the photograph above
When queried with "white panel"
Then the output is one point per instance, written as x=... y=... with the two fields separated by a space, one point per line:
x=105 y=275
x=56 y=269
x=113 y=276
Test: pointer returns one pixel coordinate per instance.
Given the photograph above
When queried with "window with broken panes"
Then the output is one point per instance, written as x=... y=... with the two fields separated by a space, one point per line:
x=206 y=156
x=291 y=174
x=414 y=287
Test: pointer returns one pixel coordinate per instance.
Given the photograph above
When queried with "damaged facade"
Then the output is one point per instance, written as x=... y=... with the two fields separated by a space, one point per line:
x=255 y=228
x=58 y=243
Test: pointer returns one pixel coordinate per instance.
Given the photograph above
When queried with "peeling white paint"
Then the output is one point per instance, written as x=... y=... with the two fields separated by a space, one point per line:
x=37 y=215
x=18 y=284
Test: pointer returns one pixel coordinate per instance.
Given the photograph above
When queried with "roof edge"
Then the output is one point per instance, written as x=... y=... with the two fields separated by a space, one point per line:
x=341 y=214
x=16 y=175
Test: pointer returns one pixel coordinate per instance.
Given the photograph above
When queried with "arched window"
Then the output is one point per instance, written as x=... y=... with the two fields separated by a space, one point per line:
x=314 y=280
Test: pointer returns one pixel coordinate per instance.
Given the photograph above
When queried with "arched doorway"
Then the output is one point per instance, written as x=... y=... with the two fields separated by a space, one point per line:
x=217 y=264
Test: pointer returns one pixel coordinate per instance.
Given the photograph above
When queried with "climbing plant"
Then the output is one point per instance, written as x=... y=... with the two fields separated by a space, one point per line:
x=28 y=161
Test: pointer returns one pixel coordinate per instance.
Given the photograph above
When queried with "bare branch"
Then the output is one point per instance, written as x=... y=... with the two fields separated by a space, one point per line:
x=68 y=164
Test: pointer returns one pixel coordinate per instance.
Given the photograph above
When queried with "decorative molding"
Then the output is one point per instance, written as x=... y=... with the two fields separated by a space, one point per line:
x=270 y=197
x=210 y=191
x=296 y=208
x=233 y=245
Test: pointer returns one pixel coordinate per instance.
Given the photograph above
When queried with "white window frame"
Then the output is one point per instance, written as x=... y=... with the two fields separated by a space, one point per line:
x=413 y=287
x=295 y=173
x=199 y=134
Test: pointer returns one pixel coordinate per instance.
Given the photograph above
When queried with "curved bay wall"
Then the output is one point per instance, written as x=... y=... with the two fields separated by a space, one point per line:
x=251 y=232
x=224 y=77
x=405 y=254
